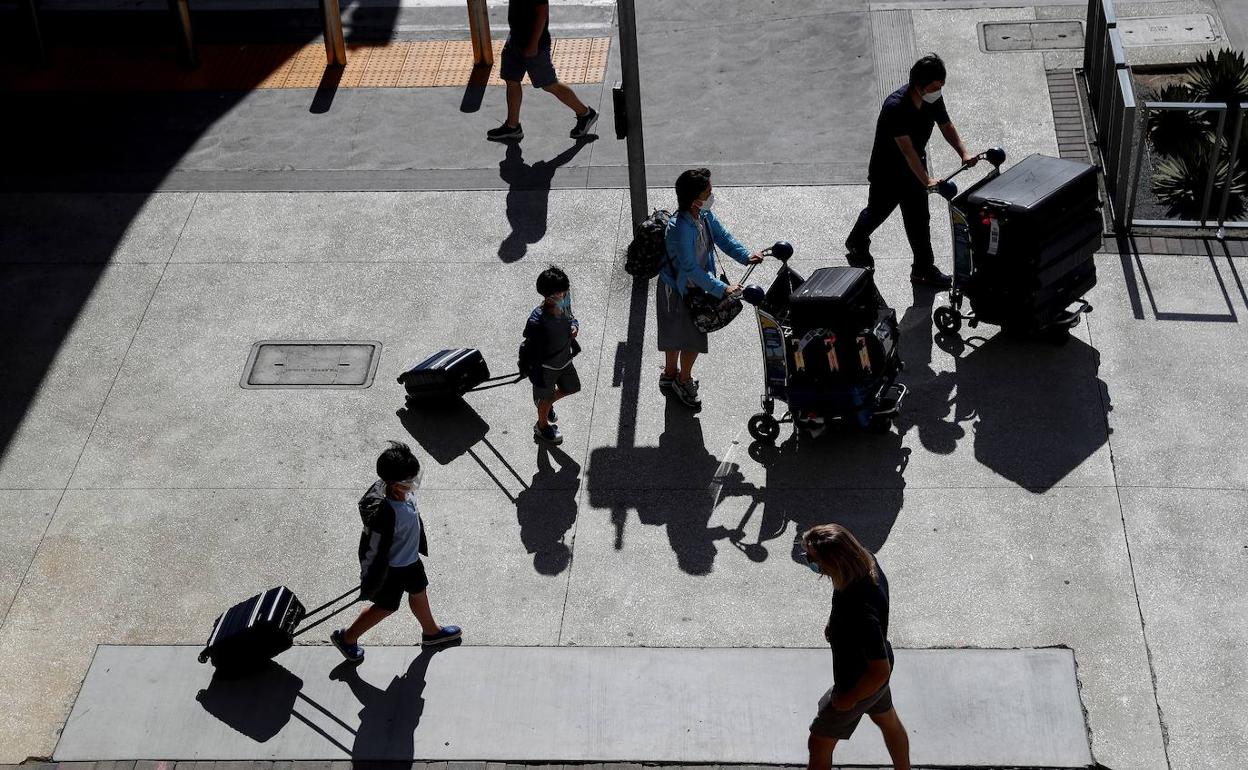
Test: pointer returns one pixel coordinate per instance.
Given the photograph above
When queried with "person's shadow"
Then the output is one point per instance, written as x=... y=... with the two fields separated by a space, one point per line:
x=929 y=405
x=546 y=510
x=528 y=196
x=389 y=718
x=681 y=462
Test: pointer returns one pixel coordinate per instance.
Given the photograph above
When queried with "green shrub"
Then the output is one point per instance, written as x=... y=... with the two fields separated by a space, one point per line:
x=1179 y=182
x=1176 y=131
x=1220 y=77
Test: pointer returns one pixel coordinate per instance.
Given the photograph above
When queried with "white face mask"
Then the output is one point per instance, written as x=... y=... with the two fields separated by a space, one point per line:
x=708 y=203
x=932 y=97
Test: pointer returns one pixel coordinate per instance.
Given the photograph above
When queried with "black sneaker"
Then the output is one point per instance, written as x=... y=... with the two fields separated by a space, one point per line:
x=859 y=257
x=352 y=652
x=550 y=434
x=505 y=133
x=584 y=123
x=445 y=634
x=551 y=417
x=930 y=276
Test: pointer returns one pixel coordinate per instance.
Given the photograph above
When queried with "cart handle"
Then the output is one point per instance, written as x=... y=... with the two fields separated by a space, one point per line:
x=946 y=188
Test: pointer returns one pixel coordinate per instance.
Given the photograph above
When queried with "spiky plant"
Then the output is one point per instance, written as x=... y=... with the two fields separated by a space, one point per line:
x=1176 y=131
x=1179 y=182
x=1220 y=77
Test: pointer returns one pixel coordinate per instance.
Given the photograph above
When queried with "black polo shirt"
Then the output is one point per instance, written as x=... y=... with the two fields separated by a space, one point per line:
x=858 y=629
x=899 y=117
x=521 y=16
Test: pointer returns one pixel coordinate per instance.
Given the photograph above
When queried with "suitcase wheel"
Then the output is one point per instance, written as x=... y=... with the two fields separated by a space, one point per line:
x=764 y=427
x=947 y=320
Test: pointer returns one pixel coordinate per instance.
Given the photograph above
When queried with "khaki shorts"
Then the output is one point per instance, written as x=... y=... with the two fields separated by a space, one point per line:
x=831 y=723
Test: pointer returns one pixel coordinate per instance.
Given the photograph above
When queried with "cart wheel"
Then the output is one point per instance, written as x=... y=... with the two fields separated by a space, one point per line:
x=764 y=427
x=947 y=320
x=203 y=658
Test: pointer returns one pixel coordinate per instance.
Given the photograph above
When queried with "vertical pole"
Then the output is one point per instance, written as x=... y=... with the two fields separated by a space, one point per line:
x=1237 y=134
x=36 y=33
x=634 y=142
x=479 y=31
x=335 y=45
x=186 y=42
x=1215 y=154
x=1141 y=139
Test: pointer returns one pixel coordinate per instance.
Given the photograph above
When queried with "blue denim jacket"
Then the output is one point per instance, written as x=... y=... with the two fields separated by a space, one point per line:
x=682 y=240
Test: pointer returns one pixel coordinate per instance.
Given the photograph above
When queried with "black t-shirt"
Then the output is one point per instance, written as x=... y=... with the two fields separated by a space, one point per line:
x=899 y=117
x=858 y=629
x=521 y=16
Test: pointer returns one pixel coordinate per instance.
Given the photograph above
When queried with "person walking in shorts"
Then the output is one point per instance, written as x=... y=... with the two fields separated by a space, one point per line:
x=527 y=51
x=862 y=658
x=391 y=547
x=693 y=232
x=548 y=349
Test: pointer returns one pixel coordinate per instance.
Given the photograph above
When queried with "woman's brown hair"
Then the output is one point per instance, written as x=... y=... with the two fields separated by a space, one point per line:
x=839 y=552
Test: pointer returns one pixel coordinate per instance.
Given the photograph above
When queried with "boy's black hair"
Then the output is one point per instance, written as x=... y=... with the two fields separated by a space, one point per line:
x=689 y=185
x=552 y=281
x=397 y=463
x=927 y=70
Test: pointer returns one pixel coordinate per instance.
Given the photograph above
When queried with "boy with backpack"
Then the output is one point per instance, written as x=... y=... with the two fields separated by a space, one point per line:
x=391 y=545
x=547 y=351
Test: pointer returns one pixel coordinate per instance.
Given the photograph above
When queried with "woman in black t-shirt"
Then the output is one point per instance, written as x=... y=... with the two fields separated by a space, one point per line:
x=862 y=658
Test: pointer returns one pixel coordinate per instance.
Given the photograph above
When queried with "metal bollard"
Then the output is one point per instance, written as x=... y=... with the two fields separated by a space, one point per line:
x=335 y=46
x=479 y=29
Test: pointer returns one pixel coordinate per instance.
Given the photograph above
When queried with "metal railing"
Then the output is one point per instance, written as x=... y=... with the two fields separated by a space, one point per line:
x=1236 y=126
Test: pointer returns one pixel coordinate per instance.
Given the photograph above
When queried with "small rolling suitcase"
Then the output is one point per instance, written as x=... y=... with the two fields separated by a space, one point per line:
x=449 y=374
x=446 y=374
x=255 y=630
x=843 y=298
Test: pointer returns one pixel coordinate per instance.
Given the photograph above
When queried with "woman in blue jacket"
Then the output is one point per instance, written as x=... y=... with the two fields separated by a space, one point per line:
x=692 y=235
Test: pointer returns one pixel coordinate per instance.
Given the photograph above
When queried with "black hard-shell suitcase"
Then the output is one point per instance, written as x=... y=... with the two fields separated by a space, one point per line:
x=838 y=298
x=250 y=633
x=253 y=631
x=1039 y=198
x=446 y=374
x=859 y=356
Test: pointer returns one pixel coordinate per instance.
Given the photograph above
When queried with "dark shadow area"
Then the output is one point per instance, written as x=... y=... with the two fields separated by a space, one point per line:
x=1038 y=410
x=54 y=248
x=1166 y=315
x=870 y=466
x=528 y=196
x=323 y=99
x=453 y=429
x=474 y=94
x=545 y=506
x=546 y=510
x=929 y=404
x=259 y=706
x=1127 y=254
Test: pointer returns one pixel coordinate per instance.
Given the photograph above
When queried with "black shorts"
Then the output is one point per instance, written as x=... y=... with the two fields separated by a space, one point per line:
x=540 y=68
x=399 y=580
x=831 y=723
x=565 y=381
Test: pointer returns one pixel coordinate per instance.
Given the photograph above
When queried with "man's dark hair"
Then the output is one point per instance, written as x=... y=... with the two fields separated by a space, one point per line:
x=689 y=185
x=552 y=281
x=927 y=70
x=397 y=463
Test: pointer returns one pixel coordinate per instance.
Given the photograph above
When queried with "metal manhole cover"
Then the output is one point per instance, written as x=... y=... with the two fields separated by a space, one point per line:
x=1191 y=29
x=311 y=364
x=1030 y=35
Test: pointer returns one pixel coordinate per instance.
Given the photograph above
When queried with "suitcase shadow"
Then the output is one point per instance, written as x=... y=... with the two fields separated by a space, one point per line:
x=545 y=505
x=260 y=706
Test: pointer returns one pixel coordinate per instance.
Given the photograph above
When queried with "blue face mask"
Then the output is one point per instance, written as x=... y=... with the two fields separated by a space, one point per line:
x=565 y=303
x=814 y=567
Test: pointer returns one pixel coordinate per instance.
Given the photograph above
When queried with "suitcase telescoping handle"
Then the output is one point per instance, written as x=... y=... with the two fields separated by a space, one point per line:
x=498 y=382
x=946 y=187
x=326 y=605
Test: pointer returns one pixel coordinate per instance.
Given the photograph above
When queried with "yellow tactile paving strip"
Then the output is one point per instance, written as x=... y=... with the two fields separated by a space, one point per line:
x=407 y=64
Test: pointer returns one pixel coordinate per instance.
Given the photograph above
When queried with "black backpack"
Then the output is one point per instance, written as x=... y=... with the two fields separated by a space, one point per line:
x=648 y=251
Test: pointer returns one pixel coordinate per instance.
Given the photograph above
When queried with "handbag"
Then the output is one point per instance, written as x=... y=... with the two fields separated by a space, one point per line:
x=708 y=312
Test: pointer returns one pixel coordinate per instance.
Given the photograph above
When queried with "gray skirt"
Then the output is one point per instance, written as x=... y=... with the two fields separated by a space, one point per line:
x=676 y=330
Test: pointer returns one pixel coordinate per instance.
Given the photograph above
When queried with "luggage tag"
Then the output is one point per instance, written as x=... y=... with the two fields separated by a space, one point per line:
x=799 y=355
x=833 y=363
x=864 y=357
x=994 y=235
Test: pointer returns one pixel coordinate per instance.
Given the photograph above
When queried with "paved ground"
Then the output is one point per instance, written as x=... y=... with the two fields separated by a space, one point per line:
x=1088 y=496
